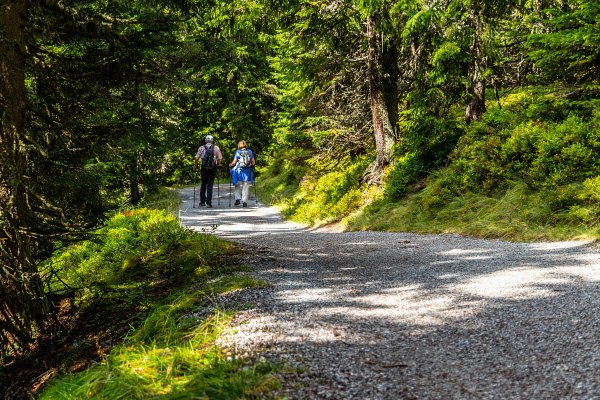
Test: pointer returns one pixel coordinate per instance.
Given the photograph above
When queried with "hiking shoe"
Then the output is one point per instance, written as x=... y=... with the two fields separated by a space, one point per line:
x=237 y=203
x=245 y=205
x=209 y=206
x=202 y=203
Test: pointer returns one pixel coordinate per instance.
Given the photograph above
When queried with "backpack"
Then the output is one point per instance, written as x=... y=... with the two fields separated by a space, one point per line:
x=208 y=158
x=245 y=160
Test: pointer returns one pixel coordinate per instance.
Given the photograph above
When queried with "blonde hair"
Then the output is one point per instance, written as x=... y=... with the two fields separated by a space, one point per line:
x=241 y=144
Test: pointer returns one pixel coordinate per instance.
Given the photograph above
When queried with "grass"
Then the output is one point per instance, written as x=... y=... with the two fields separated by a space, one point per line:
x=321 y=196
x=166 y=199
x=528 y=171
x=517 y=215
x=146 y=273
x=172 y=355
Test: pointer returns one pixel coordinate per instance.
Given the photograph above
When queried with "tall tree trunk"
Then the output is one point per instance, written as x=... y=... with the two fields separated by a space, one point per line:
x=383 y=97
x=476 y=107
x=22 y=301
x=135 y=193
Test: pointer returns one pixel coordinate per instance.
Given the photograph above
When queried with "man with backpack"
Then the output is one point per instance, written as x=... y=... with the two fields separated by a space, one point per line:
x=242 y=173
x=209 y=156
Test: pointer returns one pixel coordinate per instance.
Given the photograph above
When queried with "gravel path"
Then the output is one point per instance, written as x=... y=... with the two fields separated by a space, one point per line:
x=373 y=315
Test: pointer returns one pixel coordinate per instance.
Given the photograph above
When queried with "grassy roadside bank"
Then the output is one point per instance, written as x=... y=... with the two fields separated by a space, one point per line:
x=528 y=171
x=138 y=316
x=514 y=214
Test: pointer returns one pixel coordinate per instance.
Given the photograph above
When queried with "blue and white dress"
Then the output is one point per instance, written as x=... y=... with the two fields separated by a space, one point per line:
x=239 y=174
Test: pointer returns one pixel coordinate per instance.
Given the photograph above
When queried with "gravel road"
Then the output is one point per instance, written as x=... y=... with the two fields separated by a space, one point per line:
x=373 y=315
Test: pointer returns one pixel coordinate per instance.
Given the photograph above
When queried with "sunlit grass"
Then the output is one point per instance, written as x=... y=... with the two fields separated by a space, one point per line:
x=166 y=199
x=172 y=355
x=145 y=268
x=517 y=215
x=321 y=196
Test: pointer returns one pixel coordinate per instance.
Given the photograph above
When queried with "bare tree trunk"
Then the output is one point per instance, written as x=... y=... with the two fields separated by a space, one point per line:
x=383 y=97
x=134 y=181
x=476 y=107
x=22 y=301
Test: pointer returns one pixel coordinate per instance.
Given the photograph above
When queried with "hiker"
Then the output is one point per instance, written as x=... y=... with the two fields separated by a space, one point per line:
x=210 y=156
x=242 y=173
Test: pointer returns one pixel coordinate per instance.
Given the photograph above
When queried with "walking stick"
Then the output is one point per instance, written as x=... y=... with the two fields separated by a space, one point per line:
x=194 y=204
x=218 y=192
x=254 y=183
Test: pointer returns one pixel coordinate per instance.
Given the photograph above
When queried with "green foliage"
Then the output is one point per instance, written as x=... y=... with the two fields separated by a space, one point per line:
x=426 y=144
x=516 y=214
x=134 y=245
x=145 y=265
x=281 y=179
x=545 y=156
x=327 y=193
x=173 y=355
x=508 y=177
x=569 y=49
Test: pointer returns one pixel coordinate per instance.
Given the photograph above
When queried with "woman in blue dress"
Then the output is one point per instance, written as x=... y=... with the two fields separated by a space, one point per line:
x=242 y=173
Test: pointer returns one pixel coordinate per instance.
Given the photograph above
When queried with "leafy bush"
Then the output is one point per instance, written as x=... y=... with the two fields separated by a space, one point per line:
x=172 y=355
x=425 y=145
x=543 y=155
x=153 y=276
x=329 y=194
x=132 y=242
x=510 y=176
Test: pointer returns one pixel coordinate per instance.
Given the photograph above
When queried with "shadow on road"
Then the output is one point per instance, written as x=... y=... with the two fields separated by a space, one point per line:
x=422 y=316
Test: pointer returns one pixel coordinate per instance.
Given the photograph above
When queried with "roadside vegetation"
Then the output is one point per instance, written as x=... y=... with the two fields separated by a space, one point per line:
x=138 y=315
x=528 y=171
x=473 y=117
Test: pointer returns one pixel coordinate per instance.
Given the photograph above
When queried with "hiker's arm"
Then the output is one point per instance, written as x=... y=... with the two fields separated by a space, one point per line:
x=219 y=155
x=232 y=164
x=198 y=155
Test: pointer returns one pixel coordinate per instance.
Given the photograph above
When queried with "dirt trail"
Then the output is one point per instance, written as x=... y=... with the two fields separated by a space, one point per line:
x=375 y=315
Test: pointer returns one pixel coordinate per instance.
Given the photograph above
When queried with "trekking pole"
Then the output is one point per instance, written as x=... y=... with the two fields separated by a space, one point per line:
x=229 y=188
x=254 y=183
x=194 y=204
x=218 y=192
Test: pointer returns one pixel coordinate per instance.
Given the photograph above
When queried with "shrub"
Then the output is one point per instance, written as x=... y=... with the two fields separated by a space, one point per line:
x=139 y=238
x=426 y=143
x=330 y=194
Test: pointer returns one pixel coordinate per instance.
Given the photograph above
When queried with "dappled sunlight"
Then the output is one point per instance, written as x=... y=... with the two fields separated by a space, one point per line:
x=444 y=297
x=416 y=309
x=527 y=282
x=400 y=304
x=466 y=251
x=455 y=286
x=232 y=221
x=304 y=295
x=553 y=246
x=514 y=283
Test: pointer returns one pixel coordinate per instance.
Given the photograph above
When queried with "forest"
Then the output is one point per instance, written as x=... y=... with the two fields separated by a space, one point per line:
x=476 y=117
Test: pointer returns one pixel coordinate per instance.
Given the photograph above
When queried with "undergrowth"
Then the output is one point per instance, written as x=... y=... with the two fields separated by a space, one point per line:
x=144 y=270
x=508 y=177
x=528 y=171
x=312 y=192
x=516 y=215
